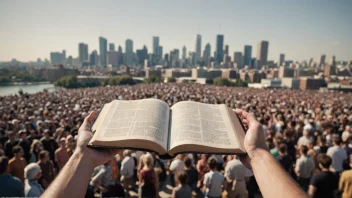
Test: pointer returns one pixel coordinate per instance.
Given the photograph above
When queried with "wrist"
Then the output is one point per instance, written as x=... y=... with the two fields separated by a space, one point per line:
x=257 y=154
x=83 y=156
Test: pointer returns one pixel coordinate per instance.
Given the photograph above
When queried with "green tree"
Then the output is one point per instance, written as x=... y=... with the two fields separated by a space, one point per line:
x=171 y=79
x=222 y=82
x=67 y=82
x=5 y=80
x=153 y=79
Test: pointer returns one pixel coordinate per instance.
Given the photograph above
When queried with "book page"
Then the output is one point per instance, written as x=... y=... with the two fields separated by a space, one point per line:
x=138 y=119
x=202 y=124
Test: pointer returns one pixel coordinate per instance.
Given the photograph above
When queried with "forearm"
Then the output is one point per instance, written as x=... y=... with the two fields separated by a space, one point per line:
x=73 y=179
x=271 y=177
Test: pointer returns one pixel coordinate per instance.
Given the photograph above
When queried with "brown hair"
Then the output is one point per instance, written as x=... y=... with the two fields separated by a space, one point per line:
x=182 y=178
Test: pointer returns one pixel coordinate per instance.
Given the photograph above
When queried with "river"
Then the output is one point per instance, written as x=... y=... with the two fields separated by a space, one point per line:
x=13 y=89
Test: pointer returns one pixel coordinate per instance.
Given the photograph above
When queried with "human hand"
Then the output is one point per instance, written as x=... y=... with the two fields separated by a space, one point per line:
x=96 y=156
x=254 y=140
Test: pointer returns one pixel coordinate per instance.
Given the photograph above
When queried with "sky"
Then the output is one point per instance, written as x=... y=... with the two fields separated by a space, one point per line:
x=301 y=29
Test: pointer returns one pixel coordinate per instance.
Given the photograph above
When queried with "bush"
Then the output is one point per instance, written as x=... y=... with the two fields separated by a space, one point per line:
x=67 y=82
x=4 y=80
x=209 y=81
x=171 y=79
x=119 y=80
x=222 y=82
x=153 y=79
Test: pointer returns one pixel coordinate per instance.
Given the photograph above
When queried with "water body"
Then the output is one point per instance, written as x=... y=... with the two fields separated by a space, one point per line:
x=31 y=89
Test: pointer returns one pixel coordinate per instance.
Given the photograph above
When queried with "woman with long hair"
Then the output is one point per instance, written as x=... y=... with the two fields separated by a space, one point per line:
x=147 y=178
x=36 y=147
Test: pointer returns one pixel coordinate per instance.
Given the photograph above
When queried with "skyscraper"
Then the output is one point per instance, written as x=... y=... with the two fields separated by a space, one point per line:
x=322 y=60
x=281 y=60
x=184 y=53
x=129 y=52
x=198 y=48
x=207 y=53
x=142 y=55
x=93 y=58
x=219 y=48
x=226 y=52
x=247 y=56
x=103 y=46
x=156 y=45
x=111 y=47
x=83 y=53
x=238 y=59
x=160 y=51
x=332 y=61
x=262 y=55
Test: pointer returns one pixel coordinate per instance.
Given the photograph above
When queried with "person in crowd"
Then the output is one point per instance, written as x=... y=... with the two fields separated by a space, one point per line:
x=236 y=176
x=25 y=144
x=345 y=183
x=305 y=139
x=202 y=167
x=127 y=169
x=304 y=168
x=47 y=167
x=322 y=147
x=325 y=182
x=17 y=163
x=182 y=190
x=176 y=166
x=61 y=154
x=104 y=181
x=337 y=154
x=10 y=143
x=213 y=180
x=9 y=186
x=277 y=141
x=160 y=170
x=32 y=173
x=284 y=159
x=36 y=147
x=192 y=174
x=70 y=144
x=147 y=178
x=49 y=144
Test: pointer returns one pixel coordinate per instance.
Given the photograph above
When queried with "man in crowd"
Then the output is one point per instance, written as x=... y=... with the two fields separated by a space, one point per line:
x=213 y=180
x=61 y=154
x=127 y=169
x=192 y=173
x=49 y=144
x=10 y=143
x=47 y=167
x=32 y=174
x=337 y=154
x=305 y=139
x=323 y=183
x=9 y=186
x=25 y=144
x=304 y=168
x=345 y=184
x=17 y=163
x=176 y=166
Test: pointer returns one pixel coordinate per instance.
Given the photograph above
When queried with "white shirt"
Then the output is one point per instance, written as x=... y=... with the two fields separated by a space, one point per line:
x=214 y=180
x=127 y=167
x=177 y=165
x=338 y=155
x=303 y=141
x=235 y=170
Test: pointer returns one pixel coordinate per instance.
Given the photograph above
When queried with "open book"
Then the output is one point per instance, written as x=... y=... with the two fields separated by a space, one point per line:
x=151 y=125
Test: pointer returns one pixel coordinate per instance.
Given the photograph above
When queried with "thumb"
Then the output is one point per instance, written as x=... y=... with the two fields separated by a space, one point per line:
x=88 y=120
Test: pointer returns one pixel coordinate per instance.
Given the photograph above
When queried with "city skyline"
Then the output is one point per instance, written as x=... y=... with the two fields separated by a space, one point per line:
x=301 y=30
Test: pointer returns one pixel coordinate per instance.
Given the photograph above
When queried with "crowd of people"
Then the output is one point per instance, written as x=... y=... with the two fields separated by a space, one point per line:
x=308 y=132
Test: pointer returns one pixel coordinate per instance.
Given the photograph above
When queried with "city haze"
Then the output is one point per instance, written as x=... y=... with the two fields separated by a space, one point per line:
x=299 y=29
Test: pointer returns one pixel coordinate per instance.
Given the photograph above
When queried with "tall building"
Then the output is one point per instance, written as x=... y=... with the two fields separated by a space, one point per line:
x=142 y=55
x=226 y=52
x=198 y=48
x=207 y=54
x=57 y=58
x=262 y=54
x=103 y=46
x=113 y=58
x=93 y=58
x=332 y=61
x=156 y=45
x=160 y=51
x=111 y=47
x=247 y=56
x=184 y=53
x=129 y=52
x=219 y=48
x=281 y=60
x=119 y=49
x=322 y=60
x=83 y=53
x=238 y=59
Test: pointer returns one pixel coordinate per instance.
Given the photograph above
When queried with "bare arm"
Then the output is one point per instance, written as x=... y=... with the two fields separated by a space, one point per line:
x=311 y=190
x=272 y=179
x=74 y=177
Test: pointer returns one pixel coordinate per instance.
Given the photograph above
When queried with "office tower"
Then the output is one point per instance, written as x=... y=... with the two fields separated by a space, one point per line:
x=156 y=45
x=129 y=52
x=322 y=60
x=332 y=61
x=219 y=48
x=184 y=53
x=160 y=51
x=247 y=56
x=262 y=53
x=93 y=58
x=113 y=58
x=103 y=46
x=69 y=60
x=57 y=58
x=142 y=55
x=238 y=59
x=226 y=52
x=198 y=48
x=281 y=60
x=82 y=53
x=64 y=56
x=119 y=49
x=207 y=52
x=111 y=47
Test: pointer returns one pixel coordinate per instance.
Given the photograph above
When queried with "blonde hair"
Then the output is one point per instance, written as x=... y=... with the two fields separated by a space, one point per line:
x=147 y=160
x=34 y=143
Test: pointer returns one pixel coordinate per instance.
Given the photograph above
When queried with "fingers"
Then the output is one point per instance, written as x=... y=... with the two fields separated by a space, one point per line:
x=88 y=120
x=247 y=116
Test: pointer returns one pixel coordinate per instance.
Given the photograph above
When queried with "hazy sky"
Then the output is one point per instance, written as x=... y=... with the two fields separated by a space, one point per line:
x=301 y=28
